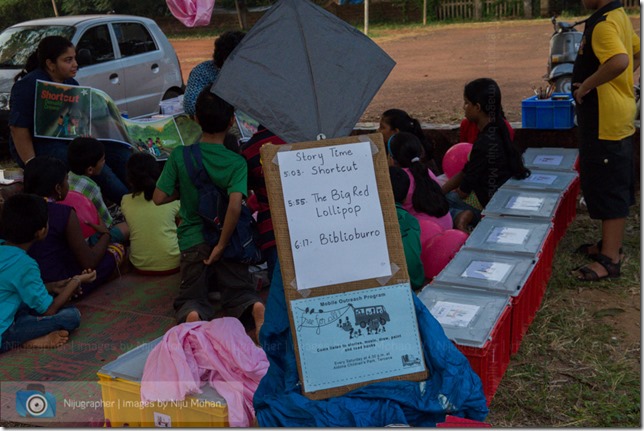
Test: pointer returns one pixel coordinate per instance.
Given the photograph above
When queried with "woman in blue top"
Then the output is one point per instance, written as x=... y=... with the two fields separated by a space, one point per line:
x=204 y=74
x=55 y=61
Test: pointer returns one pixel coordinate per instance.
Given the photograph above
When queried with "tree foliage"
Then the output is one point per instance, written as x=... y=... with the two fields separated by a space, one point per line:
x=81 y=7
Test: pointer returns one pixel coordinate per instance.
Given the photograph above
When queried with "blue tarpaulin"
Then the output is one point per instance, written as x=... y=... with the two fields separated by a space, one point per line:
x=452 y=387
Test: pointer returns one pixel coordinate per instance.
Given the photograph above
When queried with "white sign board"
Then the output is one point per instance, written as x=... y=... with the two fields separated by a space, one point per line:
x=334 y=215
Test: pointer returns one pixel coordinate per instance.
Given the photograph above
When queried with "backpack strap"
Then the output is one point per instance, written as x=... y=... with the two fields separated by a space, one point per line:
x=196 y=171
x=194 y=164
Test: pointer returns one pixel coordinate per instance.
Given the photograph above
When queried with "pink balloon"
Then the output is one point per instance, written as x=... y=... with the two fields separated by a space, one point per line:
x=455 y=158
x=85 y=211
x=440 y=250
x=428 y=230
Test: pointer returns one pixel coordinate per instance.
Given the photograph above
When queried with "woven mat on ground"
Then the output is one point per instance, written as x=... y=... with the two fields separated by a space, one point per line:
x=116 y=318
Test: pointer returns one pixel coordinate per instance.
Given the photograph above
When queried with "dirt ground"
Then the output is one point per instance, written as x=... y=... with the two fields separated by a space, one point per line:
x=434 y=63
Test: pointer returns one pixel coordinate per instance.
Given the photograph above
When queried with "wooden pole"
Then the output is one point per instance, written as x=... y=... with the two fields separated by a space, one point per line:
x=366 y=17
x=53 y=3
x=424 y=12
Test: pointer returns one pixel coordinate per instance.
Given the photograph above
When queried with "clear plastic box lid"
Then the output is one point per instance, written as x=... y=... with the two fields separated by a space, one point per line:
x=467 y=316
x=547 y=181
x=523 y=203
x=558 y=159
x=509 y=235
x=477 y=269
x=130 y=365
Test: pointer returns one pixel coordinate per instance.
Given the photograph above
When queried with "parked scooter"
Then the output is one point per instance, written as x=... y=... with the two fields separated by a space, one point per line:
x=564 y=45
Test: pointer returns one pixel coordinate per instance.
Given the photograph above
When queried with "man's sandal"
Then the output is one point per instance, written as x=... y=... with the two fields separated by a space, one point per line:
x=584 y=250
x=613 y=270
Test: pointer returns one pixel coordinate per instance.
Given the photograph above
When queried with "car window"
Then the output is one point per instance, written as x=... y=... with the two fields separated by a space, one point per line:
x=17 y=44
x=99 y=44
x=133 y=38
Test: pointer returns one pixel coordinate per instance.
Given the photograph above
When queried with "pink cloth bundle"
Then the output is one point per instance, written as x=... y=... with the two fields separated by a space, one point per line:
x=218 y=353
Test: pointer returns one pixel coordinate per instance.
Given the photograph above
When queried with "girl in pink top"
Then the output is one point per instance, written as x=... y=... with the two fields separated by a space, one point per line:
x=425 y=200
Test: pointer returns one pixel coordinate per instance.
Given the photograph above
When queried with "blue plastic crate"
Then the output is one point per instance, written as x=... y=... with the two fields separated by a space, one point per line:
x=558 y=112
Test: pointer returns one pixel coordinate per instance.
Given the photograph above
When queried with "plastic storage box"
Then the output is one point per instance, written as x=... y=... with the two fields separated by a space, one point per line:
x=502 y=273
x=478 y=323
x=564 y=183
x=558 y=112
x=120 y=382
x=528 y=204
x=551 y=159
x=519 y=237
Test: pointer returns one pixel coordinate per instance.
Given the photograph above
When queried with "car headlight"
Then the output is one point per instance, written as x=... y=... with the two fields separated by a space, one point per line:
x=4 y=101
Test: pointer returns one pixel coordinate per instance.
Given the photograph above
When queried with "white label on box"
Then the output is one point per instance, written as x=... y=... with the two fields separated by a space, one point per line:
x=508 y=235
x=454 y=314
x=162 y=421
x=548 y=159
x=492 y=271
x=525 y=203
x=541 y=179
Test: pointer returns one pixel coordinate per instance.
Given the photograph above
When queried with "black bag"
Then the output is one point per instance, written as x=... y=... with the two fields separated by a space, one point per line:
x=213 y=204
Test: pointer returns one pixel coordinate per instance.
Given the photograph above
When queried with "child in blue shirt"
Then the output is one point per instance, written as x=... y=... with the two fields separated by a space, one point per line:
x=29 y=315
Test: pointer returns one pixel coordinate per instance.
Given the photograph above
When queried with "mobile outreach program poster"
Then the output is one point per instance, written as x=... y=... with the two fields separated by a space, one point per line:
x=343 y=266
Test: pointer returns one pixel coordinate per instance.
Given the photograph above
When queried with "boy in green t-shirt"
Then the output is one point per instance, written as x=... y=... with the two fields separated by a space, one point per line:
x=409 y=228
x=202 y=268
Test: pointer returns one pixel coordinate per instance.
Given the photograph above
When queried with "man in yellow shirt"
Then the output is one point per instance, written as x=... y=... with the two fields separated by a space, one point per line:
x=603 y=81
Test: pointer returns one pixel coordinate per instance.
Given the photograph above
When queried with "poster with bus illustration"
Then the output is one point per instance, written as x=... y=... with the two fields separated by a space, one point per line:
x=357 y=336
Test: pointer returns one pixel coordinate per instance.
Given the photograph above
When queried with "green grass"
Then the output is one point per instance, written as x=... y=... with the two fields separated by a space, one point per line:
x=575 y=369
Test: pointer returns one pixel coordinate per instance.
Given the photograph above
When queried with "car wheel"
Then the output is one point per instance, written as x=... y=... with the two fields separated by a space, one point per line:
x=171 y=94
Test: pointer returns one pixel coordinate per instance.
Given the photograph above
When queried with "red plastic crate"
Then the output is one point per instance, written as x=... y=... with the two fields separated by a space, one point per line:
x=491 y=361
x=456 y=422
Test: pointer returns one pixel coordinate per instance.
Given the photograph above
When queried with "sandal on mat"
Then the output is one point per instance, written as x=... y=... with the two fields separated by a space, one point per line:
x=613 y=270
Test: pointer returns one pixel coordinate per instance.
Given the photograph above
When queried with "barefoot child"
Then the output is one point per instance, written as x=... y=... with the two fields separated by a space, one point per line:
x=64 y=252
x=29 y=315
x=202 y=266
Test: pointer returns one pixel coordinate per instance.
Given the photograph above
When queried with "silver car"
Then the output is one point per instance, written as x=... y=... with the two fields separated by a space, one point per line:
x=126 y=56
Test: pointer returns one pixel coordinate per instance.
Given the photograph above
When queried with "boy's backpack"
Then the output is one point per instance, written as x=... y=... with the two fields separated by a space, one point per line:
x=213 y=204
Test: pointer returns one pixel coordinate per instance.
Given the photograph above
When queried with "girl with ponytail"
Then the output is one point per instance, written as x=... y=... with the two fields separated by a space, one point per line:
x=424 y=198
x=493 y=159
x=154 y=248
x=393 y=121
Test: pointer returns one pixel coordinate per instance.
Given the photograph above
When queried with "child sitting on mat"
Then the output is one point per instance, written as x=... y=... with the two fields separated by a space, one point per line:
x=64 y=252
x=29 y=315
x=409 y=228
x=154 y=249
x=86 y=159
